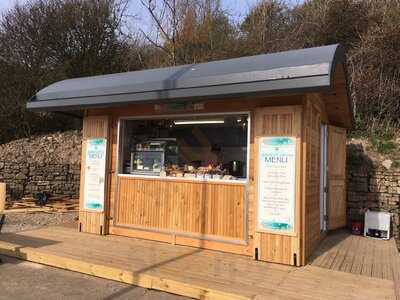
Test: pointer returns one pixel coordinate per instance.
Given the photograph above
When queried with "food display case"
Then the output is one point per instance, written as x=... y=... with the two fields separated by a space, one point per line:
x=151 y=157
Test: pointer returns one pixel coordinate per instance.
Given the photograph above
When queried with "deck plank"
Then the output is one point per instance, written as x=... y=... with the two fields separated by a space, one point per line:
x=368 y=257
x=199 y=273
x=342 y=253
x=350 y=256
x=358 y=255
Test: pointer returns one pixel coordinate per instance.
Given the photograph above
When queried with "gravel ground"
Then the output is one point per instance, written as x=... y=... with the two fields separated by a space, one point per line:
x=28 y=221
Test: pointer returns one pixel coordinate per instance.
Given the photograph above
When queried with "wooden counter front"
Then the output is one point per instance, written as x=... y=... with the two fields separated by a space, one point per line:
x=191 y=208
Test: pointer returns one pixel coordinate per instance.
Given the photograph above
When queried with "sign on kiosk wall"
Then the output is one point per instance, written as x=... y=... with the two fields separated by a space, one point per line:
x=95 y=173
x=276 y=184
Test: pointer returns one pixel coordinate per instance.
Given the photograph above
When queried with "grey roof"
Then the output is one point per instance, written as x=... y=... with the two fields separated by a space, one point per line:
x=284 y=72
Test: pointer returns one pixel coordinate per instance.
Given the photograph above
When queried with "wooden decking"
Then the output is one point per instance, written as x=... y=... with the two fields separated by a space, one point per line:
x=359 y=255
x=201 y=274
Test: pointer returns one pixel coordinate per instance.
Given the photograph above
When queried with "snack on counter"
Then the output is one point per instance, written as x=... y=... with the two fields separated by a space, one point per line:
x=190 y=175
x=189 y=171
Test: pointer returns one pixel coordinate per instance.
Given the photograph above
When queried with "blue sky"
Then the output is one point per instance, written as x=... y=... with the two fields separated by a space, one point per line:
x=237 y=8
x=5 y=4
x=234 y=5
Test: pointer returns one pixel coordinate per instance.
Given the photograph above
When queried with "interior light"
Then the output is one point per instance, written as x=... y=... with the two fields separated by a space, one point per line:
x=194 y=122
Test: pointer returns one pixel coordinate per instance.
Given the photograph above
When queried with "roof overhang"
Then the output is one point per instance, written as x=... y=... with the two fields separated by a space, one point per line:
x=290 y=72
x=298 y=85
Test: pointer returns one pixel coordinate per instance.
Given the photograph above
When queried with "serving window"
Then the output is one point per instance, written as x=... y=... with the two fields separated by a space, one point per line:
x=201 y=147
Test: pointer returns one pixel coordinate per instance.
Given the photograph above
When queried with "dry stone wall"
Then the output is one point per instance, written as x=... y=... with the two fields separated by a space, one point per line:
x=371 y=186
x=48 y=163
x=51 y=163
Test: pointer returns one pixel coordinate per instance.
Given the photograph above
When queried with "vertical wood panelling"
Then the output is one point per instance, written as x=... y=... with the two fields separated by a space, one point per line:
x=249 y=104
x=92 y=222
x=281 y=121
x=336 y=177
x=277 y=121
x=113 y=157
x=182 y=206
x=313 y=112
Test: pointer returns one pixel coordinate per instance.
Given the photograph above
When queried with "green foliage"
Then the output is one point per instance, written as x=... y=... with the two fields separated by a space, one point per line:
x=267 y=28
x=383 y=144
x=43 y=41
x=396 y=164
x=370 y=32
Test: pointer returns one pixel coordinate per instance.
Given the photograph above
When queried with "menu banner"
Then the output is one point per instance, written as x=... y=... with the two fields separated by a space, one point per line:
x=95 y=173
x=276 y=184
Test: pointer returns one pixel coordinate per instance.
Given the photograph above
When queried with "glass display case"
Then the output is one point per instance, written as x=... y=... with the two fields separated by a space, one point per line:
x=151 y=157
x=197 y=147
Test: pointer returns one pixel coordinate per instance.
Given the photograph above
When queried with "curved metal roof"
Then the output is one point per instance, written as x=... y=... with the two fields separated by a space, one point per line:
x=284 y=72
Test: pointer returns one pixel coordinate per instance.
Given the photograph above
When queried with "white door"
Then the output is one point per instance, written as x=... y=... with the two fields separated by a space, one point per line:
x=323 y=178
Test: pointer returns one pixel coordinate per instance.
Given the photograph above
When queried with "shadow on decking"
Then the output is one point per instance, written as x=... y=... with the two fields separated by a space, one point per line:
x=24 y=241
x=329 y=242
x=191 y=271
x=359 y=255
x=20 y=241
x=143 y=270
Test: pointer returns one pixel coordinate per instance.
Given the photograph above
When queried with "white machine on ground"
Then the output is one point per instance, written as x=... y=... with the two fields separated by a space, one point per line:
x=377 y=224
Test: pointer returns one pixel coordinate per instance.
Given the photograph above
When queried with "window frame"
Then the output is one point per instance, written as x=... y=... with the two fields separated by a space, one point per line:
x=121 y=120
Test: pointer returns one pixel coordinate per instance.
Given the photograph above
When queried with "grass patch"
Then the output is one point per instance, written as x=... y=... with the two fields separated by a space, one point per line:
x=383 y=144
x=396 y=164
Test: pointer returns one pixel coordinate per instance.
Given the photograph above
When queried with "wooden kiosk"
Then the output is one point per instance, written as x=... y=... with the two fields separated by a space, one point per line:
x=243 y=155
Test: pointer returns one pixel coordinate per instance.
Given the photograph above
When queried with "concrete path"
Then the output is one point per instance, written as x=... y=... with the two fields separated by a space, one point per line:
x=25 y=280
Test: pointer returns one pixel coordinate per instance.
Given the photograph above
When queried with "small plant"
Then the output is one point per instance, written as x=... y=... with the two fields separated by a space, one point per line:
x=396 y=164
x=353 y=156
x=383 y=144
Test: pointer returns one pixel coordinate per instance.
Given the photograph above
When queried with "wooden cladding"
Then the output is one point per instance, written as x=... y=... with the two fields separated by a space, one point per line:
x=95 y=127
x=313 y=112
x=89 y=221
x=336 y=177
x=223 y=216
x=277 y=124
x=337 y=152
x=278 y=121
x=208 y=209
x=314 y=115
x=278 y=248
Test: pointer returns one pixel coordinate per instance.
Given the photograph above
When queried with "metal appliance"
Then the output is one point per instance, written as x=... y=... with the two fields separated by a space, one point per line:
x=377 y=224
x=151 y=157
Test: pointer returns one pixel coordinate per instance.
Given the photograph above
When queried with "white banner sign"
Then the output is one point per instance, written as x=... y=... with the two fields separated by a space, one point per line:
x=95 y=173
x=276 y=184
